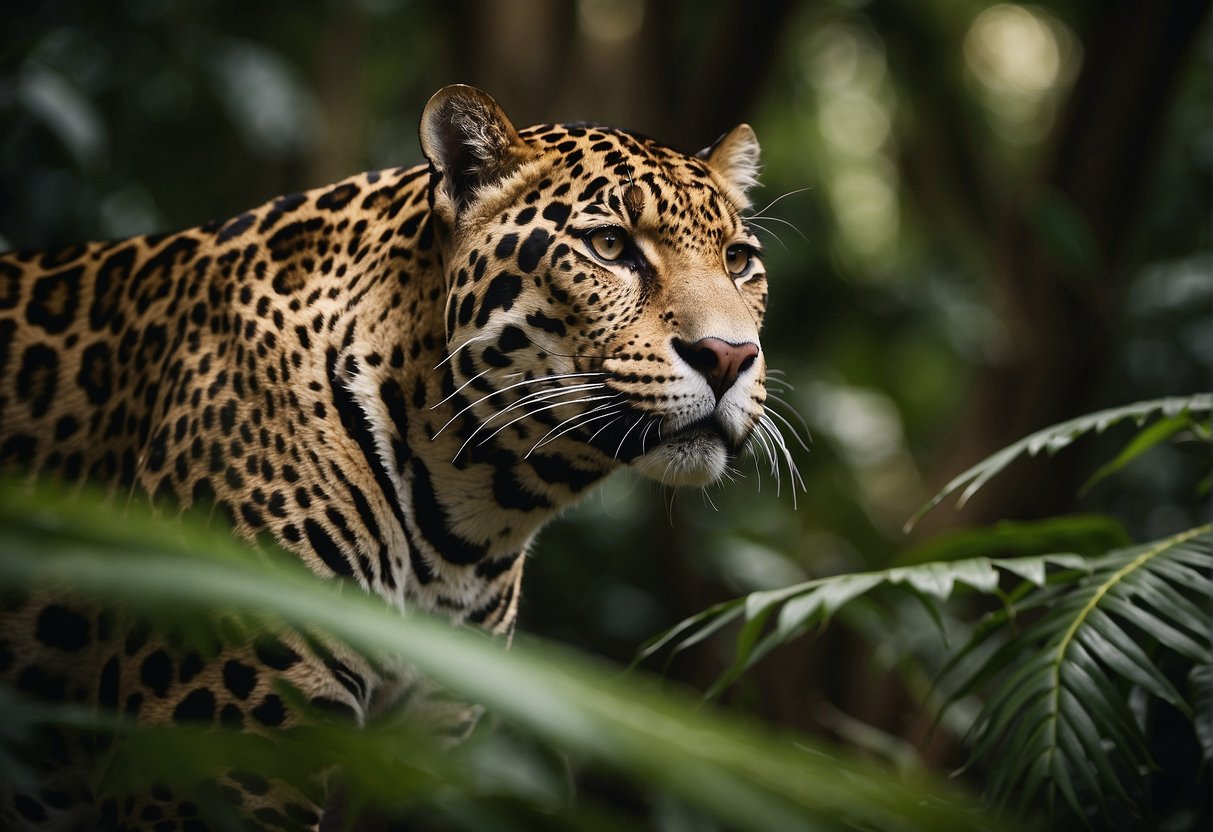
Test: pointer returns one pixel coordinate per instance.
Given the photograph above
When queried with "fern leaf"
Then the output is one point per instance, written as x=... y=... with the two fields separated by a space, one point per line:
x=1056 y=437
x=813 y=603
x=1059 y=720
x=1059 y=662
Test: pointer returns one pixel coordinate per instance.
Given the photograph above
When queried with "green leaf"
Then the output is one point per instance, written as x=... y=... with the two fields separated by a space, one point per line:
x=815 y=602
x=938 y=579
x=1160 y=591
x=1155 y=434
x=1082 y=534
x=1058 y=436
x=743 y=776
x=1032 y=570
x=718 y=615
x=1154 y=626
x=1116 y=649
x=1089 y=683
x=1060 y=687
x=1026 y=685
x=1063 y=767
x=825 y=598
x=1082 y=726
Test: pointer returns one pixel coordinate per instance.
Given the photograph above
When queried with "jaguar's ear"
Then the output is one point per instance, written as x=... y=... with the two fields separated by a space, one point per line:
x=734 y=158
x=470 y=144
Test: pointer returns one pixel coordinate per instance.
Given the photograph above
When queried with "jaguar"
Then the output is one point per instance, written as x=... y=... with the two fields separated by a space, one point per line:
x=399 y=379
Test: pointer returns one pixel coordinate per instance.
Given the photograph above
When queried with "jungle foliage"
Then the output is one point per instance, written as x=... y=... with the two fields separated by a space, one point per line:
x=979 y=219
x=1068 y=676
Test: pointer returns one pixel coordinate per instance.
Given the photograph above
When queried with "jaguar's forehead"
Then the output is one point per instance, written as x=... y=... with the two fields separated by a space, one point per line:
x=633 y=180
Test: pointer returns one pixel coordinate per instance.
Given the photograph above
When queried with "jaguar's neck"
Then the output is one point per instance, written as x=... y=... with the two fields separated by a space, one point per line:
x=466 y=485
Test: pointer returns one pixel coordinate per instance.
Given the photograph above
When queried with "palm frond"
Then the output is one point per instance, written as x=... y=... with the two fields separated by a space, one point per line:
x=1059 y=661
x=1059 y=722
x=812 y=603
x=1180 y=411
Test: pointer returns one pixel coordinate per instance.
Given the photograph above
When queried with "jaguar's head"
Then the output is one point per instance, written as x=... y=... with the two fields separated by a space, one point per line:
x=604 y=291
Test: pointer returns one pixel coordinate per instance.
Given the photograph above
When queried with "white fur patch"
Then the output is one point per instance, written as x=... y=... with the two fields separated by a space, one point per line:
x=698 y=458
x=735 y=159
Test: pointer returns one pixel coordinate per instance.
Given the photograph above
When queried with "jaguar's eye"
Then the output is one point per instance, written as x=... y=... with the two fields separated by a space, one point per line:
x=737 y=259
x=609 y=243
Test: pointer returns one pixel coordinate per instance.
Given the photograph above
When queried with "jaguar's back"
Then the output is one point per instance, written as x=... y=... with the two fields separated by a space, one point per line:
x=398 y=378
x=187 y=365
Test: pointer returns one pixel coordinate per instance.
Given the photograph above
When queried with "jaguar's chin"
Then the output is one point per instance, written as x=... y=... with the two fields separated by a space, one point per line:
x=697 y=456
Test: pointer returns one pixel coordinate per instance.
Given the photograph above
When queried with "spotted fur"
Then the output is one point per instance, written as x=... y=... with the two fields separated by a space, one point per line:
x=399 y=378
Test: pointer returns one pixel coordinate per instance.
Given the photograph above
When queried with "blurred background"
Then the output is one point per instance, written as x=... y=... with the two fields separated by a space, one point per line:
x=980 y=219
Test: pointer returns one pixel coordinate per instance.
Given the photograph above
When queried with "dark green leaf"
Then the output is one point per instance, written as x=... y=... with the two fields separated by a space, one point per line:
x=1116 y=648
x=1058 y=436
x=1062 y=683
x=1082 y=534
x=1155 y=434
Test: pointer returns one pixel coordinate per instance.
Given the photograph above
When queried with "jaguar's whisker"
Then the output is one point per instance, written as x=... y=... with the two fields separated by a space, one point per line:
x=793 y=471
x=765 y=230
x=730 y=473
x=619 y=450
x=460 y=348
x=461 y=387
x=672 y=492
x=790 y=225
x=644 y=436
x=757 y=469
x=584 y=419
x=577 y=421
x=769 y=444
x=764 y=443
x=795 y=433
x=538 y=395
x=594 y=435
x=761 y=211
x=523 y=383
x=516 y=419
x=774 y=235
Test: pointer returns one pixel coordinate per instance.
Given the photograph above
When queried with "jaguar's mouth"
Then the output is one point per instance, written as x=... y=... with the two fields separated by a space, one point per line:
x=694 y=454
x=707 y=429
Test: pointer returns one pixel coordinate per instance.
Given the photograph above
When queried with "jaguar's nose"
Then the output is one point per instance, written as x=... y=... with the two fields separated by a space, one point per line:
x=717 y=360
